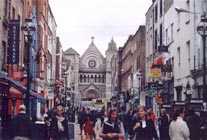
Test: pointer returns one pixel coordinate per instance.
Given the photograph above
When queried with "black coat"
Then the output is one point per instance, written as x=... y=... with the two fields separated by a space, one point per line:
x=147 y=133
x=164 y=127
x=21 y=125
x=109 y=127
x=194 y=122
x=55 y=133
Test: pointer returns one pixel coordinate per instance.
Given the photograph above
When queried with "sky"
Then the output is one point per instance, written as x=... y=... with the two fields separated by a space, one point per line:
x=79 y=20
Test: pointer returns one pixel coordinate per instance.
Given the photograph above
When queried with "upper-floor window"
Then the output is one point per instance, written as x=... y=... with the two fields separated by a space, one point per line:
x=172 y=32
x=178 y=22
x=5 y=7
x=161 y=8
x=179 y=56
x=13 y=13
x=156 y=13
x=4 y=54
x=166 y=36
x=188 y=49
x=188 y=9
x=199 y=58
x=160 y=34
x=156 y=38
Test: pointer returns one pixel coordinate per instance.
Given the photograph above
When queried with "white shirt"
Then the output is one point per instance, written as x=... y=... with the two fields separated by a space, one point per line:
x=179 y=130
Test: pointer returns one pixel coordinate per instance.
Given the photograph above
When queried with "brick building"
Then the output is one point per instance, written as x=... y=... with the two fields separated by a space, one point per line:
x=132 y=64
x=42 y=22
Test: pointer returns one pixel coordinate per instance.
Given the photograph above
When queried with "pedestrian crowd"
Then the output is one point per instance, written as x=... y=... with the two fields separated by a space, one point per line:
x=53 y=126
x=112 y=124
x=142 y=124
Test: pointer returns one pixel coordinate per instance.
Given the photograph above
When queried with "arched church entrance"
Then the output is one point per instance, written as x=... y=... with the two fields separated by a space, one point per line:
x=91 y=94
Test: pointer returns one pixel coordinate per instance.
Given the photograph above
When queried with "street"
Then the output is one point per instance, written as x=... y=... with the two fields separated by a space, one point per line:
x=103 y=69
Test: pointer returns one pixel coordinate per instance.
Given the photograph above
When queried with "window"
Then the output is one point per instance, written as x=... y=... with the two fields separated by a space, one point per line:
x=179 y=57
x=4 y=53
x=199 y=58
x=161 y=7
x=5 y=8
x=160 y=34
x=156 y=13
x=179 y=93
x=13 y=13
x=188 y=14
x=188 y=49
x=172 y=30
x=155 y=39
x=178 y=22
x=179 y=96
x=166 y=36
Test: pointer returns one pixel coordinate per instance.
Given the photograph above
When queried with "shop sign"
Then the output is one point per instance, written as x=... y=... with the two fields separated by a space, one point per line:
x=155 y=73
x=13 y=41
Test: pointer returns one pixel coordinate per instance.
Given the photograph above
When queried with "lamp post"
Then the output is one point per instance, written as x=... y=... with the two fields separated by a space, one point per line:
x=202 y=31
x=28 y=28
x=139 y=84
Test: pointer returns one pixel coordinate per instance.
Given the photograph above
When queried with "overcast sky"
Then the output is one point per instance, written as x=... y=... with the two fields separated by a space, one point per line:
x=78 y=20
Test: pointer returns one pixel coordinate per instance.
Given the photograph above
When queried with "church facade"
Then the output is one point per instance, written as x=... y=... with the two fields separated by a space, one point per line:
x=94 y=77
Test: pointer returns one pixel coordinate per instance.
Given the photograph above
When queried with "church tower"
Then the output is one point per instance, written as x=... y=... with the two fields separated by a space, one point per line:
x=111 y=57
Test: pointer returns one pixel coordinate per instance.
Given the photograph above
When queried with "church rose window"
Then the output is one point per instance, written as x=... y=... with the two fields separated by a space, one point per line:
x=92 y=63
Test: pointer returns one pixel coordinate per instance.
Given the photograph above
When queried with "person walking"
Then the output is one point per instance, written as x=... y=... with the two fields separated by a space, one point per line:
x=98 y=128
x=164 y=122
x=144 y=128
x=178 y=127
x=128 y=122
x=59 y=125
x=112 y=128
x=193 y=122
x=21 y=125
x=81 y=119
x=203 y=126
x=88 y=128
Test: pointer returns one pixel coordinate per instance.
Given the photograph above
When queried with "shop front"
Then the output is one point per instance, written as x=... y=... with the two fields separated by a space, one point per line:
x=12 y=95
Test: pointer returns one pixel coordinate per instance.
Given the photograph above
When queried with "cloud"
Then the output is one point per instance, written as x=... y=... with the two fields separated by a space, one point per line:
x=78 y=20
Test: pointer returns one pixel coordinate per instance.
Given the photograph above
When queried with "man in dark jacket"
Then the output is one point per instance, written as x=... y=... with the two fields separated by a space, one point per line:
x=59 y=125
x=21 y=125
x=193 y=121
x=164 y=123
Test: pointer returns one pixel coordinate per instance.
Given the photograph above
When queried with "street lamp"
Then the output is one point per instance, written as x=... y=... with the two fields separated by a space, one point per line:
x=28 y=28
x=139 y=76
x=202 y=31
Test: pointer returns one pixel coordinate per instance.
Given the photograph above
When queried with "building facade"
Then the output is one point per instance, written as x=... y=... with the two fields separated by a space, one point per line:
x=19 y=56
x=51 y=58
x=90 y=75
x=42 y=7
x=58 y=70
x=70 y=74
x=131 y=59
x=174 y=52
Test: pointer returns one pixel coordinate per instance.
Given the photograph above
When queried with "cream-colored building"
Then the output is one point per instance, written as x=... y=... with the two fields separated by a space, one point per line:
x=173 y=24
